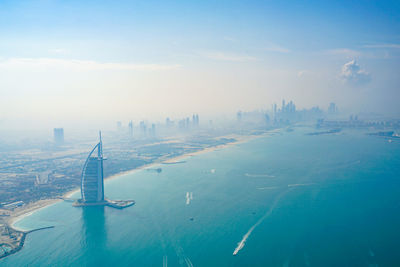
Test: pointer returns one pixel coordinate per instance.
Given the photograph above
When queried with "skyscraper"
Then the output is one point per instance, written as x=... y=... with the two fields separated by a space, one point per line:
x=92 y=182
x=332 y=108
x=130 y=125
x=58 y=135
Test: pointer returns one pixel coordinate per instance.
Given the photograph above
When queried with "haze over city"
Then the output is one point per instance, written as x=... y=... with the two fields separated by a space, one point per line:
x=72 y=63
x=199 y=133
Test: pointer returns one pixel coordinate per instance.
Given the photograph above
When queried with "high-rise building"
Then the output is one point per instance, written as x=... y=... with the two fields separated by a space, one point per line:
x=143 y=128
x=153 y=130
x=239 y=116
x=332 y=108
x=58 y=135
x=92 y=181
x=195 y=119
x=130 y=125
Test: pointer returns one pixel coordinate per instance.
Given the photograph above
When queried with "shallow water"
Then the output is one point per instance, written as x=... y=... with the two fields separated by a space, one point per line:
x=295 y=200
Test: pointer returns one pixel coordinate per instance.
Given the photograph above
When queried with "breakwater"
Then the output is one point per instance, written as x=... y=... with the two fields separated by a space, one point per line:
x=22 y=241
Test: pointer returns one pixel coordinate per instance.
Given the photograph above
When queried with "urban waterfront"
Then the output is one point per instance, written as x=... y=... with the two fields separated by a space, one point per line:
x=286 y=199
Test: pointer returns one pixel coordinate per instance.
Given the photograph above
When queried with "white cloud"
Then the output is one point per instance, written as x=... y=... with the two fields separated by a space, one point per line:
x=73 y=64
x=228 y=57
x=352 y=73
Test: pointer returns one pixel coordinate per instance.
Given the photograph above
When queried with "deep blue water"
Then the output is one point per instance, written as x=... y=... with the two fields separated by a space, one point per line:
x=328 y=200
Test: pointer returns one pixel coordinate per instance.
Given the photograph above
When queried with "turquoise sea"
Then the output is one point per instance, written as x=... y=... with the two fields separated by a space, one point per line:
x=292 y=199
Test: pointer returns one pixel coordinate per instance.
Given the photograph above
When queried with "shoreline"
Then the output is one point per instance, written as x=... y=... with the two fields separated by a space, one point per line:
x=33 y=207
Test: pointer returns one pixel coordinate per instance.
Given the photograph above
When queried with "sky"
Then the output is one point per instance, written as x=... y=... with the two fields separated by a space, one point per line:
x=76 y=62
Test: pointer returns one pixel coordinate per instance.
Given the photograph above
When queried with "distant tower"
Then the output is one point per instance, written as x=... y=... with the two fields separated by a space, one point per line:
x=143 y=128
x=153 y=130
x=59 y=135
x=92 y=181
x=195 y=119
x=332 y=108
x=239 y=116
x=130 y=125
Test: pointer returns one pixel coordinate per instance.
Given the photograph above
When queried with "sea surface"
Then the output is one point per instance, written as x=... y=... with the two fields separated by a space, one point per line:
x=287 y=199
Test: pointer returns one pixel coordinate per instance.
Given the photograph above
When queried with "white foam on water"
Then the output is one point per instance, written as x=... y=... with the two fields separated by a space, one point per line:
x=246 y=236
x=188 y=262
x=267 y=188
x=212 y=170
x=295 y=185
x=187 y=198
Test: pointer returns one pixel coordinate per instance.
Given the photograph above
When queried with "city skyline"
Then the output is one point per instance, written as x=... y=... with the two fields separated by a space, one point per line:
x=234 y=132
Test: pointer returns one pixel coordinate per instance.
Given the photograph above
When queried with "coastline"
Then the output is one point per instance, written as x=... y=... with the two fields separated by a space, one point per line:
x=33 y=207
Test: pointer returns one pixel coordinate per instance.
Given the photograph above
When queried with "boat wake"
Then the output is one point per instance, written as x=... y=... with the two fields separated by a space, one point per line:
x=189 y=197
x=295 y=185
x=182 y=257
x=246 y=236
x=267 y=188
x=165 y=261
x=188 y=262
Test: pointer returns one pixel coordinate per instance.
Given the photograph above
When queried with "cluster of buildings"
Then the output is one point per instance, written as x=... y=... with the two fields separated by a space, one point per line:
x=187 y=123
x=286 y=114
x=153 y=130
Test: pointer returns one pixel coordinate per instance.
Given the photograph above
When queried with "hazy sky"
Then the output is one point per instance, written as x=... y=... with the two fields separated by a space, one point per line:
x=117 y=60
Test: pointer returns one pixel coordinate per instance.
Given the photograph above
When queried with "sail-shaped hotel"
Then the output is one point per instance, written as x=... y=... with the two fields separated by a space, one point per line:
x=92 y=182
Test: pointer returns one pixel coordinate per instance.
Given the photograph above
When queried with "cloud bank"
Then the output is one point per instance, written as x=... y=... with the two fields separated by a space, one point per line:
x=353 y=74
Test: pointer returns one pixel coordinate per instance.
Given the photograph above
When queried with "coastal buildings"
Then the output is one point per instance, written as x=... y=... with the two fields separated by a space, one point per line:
x=92 y=183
